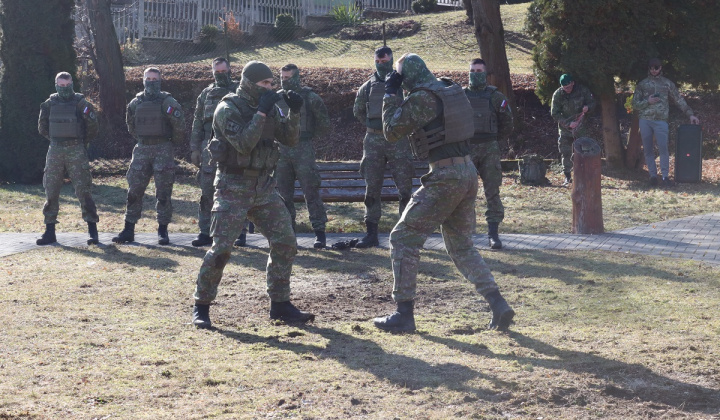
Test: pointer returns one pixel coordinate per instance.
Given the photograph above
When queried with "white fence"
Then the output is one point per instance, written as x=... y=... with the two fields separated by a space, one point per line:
x=183 y=19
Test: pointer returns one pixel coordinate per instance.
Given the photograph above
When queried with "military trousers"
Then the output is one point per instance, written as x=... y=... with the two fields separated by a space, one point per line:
x=299 y=163
x=658 y=129
x=206 y=180
x=378 y=154
x=73 y=159
x=565 y=145
x=446 y=199
x=486 y=158
x=254 y=198
x=151 y=161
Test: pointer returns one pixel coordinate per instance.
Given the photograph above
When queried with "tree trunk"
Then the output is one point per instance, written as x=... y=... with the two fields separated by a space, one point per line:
x=634 y=158
x=611 y=131
x=36 y=43
x=490 y=37
x=467 y=5
x=586 y=193
x=109 y=65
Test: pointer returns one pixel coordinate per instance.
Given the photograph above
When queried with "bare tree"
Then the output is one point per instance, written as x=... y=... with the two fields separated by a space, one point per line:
x=105 y=54
x=490 y=37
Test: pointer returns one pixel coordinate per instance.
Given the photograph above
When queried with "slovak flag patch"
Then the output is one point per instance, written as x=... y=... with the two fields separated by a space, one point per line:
x=503 y=104
x=170 y=110
x=86 y=110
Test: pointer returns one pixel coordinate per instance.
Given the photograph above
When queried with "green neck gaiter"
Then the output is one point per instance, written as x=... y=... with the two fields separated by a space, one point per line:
x=478 y=80
x=222 y=79
x=383 y=69
x=65 y=92
x=152 y=88
x=251 y=91
x=293 y=83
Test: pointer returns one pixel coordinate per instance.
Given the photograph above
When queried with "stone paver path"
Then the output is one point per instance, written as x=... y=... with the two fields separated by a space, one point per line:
x=694 y=238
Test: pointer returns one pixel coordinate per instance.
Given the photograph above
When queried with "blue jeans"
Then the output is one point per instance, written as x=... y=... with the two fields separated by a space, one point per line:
x=659 y=129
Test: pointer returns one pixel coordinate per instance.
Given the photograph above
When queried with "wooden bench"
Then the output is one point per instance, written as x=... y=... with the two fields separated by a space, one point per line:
x=342 y=182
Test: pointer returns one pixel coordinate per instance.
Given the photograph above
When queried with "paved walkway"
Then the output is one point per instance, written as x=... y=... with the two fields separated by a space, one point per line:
x=693 y=238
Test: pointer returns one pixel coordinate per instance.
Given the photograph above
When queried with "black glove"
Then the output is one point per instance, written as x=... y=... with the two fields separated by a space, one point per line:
x=393 y=82
x=293 y=100
x=267 y=101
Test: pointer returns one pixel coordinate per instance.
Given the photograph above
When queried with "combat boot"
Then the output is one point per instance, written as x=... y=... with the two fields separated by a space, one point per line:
x=568 y=178
x=163 y=238
x=127 y=234
x=92 y=234
x=371 y=238
x=241 y=240
x=319 y=239
x=502 y=312
x=201 y=316
x=493 y=237
x=402 y=320
x=202 y=240
x=48 y=237
x=287 y=312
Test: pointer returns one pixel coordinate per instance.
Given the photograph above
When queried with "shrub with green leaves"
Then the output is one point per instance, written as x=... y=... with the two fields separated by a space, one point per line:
x=284 y=27
x=423 y=6
x=347 y=15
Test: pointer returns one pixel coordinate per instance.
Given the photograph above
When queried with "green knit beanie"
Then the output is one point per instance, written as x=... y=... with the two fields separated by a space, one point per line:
x=256 y=71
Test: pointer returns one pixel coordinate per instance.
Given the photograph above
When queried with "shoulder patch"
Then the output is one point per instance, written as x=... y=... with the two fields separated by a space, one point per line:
x=232 y=127
x=177 y=113
x=397 y=113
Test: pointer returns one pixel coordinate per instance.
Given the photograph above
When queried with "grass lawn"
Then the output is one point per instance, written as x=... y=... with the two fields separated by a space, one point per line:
x=102 y=333
x=444 y=41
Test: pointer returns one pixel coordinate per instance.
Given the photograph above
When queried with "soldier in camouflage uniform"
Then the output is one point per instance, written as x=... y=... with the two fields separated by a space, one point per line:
x=156 y=121
x=247 y=127
x=652 y=101
x=493 y=118
x=69 y=121
x=299 y=162
x=570 y=103
x=201 y=133
x=434 y=116
x=379 y=153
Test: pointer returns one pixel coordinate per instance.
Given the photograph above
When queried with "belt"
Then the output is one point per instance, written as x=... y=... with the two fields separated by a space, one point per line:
x=449 y=162
x=65 y=143
x=249 y=173
x=374 y=131
x=152 y=142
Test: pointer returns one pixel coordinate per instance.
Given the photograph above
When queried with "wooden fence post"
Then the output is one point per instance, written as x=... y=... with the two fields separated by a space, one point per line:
x=141 y=19
x=586 y=193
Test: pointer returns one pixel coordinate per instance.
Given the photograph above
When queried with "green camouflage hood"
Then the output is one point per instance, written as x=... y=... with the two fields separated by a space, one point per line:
x=293 y=83
x=415 y=72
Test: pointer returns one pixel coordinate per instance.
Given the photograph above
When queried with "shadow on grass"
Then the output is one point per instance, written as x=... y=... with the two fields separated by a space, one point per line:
x=115 y=253
x=570 y=268
x=367 y=356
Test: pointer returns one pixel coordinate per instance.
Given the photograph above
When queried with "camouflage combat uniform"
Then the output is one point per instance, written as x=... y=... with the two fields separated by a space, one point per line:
x=201 y=133
x=493 y=118
x=156 y=123
x=653 y=118
x=298 y=162
x=566 y=108
x=379 y=153
x=245 y=147
x=69 y=125
x=448 y=192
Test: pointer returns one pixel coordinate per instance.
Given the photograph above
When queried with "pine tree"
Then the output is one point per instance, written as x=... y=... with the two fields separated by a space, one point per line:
x=36 y=44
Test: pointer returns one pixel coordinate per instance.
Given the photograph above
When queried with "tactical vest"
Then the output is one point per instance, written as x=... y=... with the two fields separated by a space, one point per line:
x=452 y=125
x=307 y=120
x=264 y=155
x=64 y=121
x=375 y=99
x=212 y=99
x=149 y=118
x=484 y=117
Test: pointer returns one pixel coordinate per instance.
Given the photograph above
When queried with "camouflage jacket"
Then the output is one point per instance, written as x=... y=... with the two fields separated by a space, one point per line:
x=207 y=101
x=566 y=107
x=85 y=112
x=665 y=90
x=231 y=124
x=499 y=104
x=172 y=112
x=318 y=120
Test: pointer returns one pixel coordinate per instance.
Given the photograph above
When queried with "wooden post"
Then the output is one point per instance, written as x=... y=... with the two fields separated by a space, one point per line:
x=586 y=193
x=141 y=19
x=634 y=158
